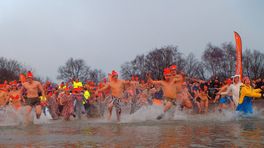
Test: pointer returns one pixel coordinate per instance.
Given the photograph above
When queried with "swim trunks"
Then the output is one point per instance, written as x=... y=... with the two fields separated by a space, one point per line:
x=33 y=101
x=168 y=99
x=225 y=100
x=116 y=102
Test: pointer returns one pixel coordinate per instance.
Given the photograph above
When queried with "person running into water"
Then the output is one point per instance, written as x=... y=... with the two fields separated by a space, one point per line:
x=247 y=93
x=14 y=96
x=186 y=97
x=202 y=98
x=182 y=90
x=79 y=98
x=169 y=87
x=133 y=94
x=32 y=99
x=224 y=99
x=53 y=104
x=117 y=88
x=234 y=89
x=67 y=100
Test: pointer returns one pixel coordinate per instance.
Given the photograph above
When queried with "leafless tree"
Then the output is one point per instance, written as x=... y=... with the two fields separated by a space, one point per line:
x=127 y=70
x=154 y=62
x=96 y=75
x=212 y=58
x=10 y=69
x=194 y=68
x=253 y=64
x=216 y=62
x=229 y=60
x=74 y=68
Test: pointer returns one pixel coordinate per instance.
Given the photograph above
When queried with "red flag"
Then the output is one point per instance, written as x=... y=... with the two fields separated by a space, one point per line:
x=238 y=55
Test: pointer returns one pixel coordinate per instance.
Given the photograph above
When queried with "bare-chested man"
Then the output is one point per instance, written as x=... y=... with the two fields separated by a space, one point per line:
x=170 y=91
x=181 y=87
x=117 y=88
x=133 y=93
x=32 y=94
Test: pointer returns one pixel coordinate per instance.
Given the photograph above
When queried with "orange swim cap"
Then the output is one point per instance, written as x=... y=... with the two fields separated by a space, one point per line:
x=228 y=81
x=114 y=73
x=29 y=74
x=166 y=71
x=173 y=67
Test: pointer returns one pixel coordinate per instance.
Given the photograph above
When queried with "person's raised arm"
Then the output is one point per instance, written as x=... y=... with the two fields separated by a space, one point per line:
x=228 y=91
x=150 y=80
x=102 y=89
x=222 y=89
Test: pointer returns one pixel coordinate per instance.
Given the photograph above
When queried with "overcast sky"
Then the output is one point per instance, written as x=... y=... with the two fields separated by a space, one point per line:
x=106 y=33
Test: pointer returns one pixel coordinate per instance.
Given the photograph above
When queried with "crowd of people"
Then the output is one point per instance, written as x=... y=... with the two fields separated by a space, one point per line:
x=75 y=99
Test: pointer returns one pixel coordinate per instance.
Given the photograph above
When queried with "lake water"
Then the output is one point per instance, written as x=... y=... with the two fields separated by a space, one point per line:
x=141 y=129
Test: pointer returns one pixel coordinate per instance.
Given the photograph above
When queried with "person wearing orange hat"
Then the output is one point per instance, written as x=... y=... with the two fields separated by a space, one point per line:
x=14 y=95
x=173 y=69
x=169 y=87
x=226 y=99
x=32 y=98
x=117 y=88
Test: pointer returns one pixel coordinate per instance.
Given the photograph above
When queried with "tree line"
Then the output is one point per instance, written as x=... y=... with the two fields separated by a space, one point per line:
x=216 y=61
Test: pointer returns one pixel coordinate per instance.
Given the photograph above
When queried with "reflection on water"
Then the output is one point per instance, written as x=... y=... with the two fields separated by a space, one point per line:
x=243 y=133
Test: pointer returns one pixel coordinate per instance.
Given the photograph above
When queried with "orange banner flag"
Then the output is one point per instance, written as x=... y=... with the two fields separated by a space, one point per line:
x=238 y=55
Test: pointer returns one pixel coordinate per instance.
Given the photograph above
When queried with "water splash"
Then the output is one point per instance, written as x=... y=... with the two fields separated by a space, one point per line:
x=150 y=113
x=11 y=117
x=44 y=119
x=145 y=113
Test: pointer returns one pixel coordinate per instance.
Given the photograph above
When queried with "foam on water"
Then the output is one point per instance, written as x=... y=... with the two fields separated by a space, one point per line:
x=44 y=119
x=145 y=113
x=11 y=117
x=150 y=113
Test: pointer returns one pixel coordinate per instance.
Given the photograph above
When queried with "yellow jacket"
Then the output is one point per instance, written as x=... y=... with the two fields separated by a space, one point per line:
x=77 y=84
x=86 y=95
x=248 y=91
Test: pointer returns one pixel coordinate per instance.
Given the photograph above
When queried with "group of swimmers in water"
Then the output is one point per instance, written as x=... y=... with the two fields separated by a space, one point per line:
x=75 y=98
